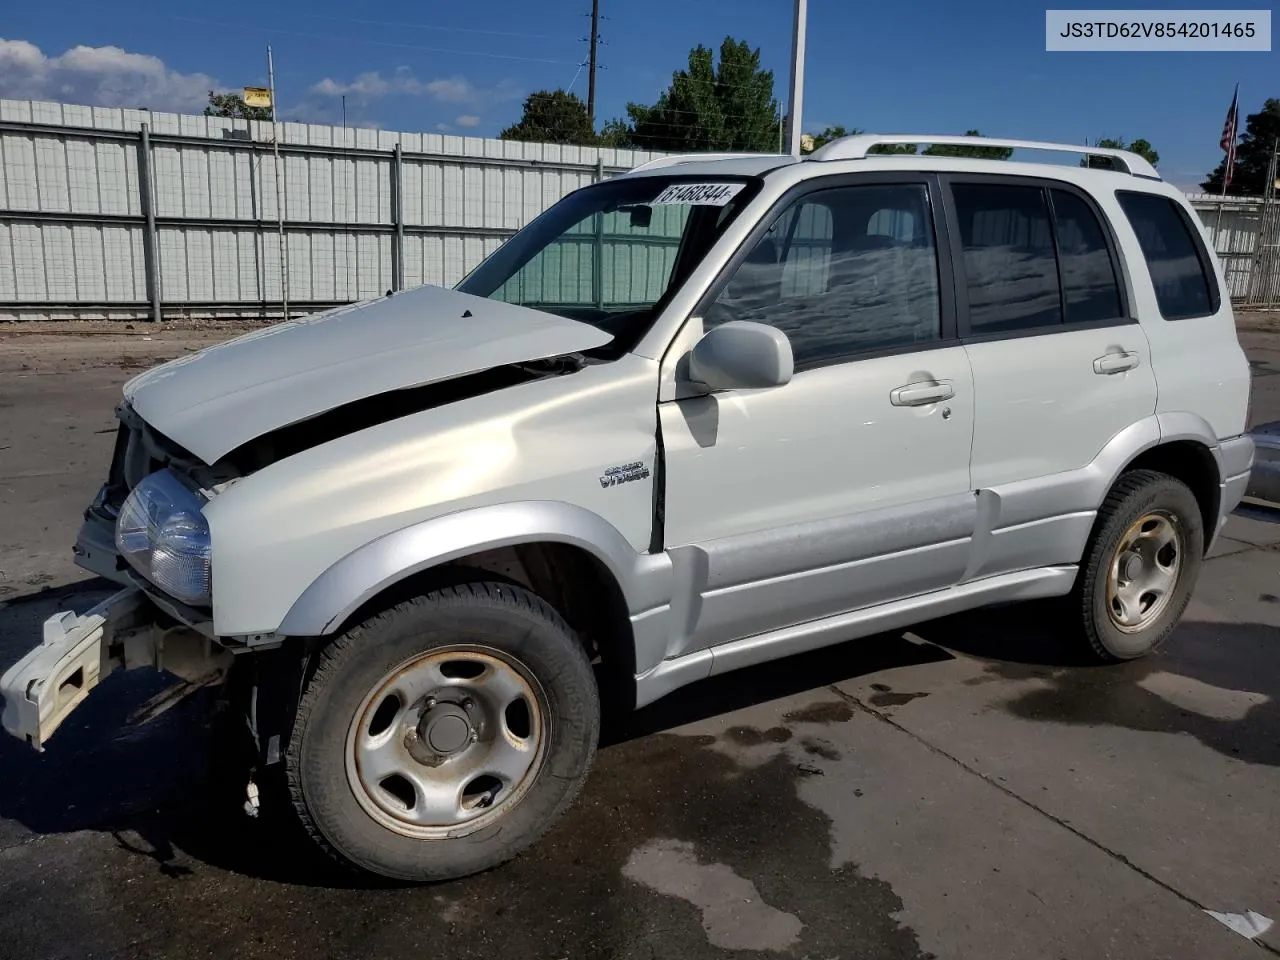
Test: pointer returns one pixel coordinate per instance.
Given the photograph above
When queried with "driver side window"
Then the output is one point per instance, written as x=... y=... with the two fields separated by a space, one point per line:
x=842 y=272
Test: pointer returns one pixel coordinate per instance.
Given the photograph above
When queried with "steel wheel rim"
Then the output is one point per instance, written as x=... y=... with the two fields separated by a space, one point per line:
x=1144 y=571
x=447 y=742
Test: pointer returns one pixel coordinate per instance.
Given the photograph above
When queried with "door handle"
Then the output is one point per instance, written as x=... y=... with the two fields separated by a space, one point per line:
x=1116 y=363
x=922 y=394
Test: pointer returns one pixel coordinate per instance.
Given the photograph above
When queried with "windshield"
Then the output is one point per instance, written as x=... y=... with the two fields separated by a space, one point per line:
x=610 y=254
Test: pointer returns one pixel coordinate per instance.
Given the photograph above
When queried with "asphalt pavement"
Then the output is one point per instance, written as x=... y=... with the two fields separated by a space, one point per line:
x=965 y=789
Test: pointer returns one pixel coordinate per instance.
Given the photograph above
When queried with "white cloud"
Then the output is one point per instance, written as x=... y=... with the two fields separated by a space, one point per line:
x=451 y=90
x=467 y=120
x=455 y=90
x=100 y=76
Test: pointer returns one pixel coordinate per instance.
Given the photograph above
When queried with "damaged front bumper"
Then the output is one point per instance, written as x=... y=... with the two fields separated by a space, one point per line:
x=77 y=652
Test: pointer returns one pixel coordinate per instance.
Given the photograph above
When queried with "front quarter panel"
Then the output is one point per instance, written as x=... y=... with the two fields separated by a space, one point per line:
x=277 y=531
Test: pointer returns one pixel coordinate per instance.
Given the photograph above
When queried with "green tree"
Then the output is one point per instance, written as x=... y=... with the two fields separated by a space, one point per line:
x=1141 y=147
x=728 y=105
x=616 y=133
x=1253 y=155
x=830 y=133
x=232 y=105
x=977 y=153
x=553 y=116
x=940 y=150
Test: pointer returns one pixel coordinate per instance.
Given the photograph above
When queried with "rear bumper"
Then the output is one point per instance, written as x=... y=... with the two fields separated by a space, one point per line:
x=1264 y=480
x=1235 y=463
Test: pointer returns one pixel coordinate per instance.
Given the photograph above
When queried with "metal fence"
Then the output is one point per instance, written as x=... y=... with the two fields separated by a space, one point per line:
x=120 y=214
x=1245 y=233
x=123 y=214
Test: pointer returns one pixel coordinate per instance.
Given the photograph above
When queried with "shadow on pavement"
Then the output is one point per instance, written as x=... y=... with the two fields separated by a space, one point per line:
x=171 y=790
x=771 y=681
x=1217 y=682
x=175 y=783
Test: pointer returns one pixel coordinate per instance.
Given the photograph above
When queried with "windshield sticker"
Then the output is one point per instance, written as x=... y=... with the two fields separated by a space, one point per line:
x=700 y=194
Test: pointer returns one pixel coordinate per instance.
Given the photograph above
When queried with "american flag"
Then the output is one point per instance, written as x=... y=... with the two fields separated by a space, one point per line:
x=1230 y=130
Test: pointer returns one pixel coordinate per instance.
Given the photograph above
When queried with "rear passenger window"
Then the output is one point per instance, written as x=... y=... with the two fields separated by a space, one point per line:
x=1175 y=256
x=1009 y=260
x=1089 y=283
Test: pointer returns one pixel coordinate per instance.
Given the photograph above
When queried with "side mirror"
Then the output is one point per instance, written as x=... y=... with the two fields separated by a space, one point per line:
x=742 y=355
x=640 y=216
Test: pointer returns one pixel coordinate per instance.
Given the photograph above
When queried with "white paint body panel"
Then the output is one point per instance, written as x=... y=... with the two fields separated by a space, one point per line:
x=1199 y=363
x=1040 y=407
x=826 y=445
x=782 y=504
x=789 y=516
x=213 y=401
x=277 y=530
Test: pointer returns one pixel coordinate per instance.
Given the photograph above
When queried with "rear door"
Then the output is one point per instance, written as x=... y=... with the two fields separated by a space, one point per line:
x=1060 y=365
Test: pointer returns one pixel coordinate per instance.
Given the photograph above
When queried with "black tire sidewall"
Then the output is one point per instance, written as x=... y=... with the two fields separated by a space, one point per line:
x=499 y=616
x=1146 y=492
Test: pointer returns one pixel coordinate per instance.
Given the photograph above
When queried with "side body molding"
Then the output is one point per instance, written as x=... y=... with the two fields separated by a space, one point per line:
x=645 y=579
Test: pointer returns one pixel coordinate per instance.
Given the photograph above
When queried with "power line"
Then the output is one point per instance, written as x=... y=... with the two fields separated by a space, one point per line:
x=377 y=43
x=428 y=26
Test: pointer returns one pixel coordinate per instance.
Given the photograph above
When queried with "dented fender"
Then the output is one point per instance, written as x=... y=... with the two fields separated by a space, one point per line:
x=554 y=440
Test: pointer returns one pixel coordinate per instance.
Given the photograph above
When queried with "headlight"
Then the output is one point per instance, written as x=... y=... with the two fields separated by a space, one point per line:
x=164 y=536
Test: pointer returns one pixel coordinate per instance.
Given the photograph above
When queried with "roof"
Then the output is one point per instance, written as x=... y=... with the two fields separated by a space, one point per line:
x=856 y=152
x=713 y=164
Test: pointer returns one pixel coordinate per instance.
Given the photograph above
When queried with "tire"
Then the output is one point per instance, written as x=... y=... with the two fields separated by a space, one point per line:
x=387 y=693
x=1117 y=619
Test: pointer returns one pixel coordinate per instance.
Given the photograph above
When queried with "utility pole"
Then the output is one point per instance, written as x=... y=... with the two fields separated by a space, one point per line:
x=795 y=102
x=591 y=63
x=275 y=143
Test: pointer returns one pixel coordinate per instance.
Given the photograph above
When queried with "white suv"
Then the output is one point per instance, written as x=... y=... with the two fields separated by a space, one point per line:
x=707 y=414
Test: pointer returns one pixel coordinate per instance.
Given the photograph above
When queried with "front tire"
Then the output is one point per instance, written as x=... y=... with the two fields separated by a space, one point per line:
x=445 y=735
x=1140 y=566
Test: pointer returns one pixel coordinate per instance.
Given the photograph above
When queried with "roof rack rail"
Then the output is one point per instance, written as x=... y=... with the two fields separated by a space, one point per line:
x=859 y=145
x=674 y=158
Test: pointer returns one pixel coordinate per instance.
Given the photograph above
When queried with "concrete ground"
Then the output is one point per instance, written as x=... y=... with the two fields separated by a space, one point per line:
x=966 y=789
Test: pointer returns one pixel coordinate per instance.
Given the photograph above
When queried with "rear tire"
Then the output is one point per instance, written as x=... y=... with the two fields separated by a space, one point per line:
x=446 y=735
x=1140 y=566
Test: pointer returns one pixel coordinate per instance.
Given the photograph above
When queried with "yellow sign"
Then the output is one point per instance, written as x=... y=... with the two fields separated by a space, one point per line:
x=257 y=97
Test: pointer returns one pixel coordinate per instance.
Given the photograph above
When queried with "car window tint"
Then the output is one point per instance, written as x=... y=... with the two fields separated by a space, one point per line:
x=1088 y=273
x=842 y=272
x=1010 y=269
x=1184 y=288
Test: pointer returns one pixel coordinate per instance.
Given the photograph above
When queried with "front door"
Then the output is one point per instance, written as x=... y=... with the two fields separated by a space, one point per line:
x=848 y=486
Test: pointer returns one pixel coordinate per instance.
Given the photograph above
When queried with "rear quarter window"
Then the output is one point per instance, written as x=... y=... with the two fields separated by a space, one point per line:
x=1179 y=265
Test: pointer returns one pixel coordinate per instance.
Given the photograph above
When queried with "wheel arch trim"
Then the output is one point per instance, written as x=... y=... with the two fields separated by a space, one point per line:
x=644 y=579
x=1085 y=489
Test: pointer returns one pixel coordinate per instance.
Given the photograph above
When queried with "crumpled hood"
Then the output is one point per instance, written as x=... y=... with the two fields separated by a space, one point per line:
x=213 y=401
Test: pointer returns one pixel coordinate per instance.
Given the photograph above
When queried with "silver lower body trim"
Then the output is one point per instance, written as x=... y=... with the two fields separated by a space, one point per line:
x=1022 y=585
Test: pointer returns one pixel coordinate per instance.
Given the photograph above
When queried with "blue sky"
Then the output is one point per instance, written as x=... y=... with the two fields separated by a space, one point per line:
x=909 y=65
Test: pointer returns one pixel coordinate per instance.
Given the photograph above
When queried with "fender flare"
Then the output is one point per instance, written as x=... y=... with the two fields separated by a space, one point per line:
x=645 y=579
x=1085 y=489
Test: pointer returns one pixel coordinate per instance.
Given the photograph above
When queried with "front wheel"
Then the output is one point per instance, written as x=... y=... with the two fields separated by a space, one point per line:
x=444 y=736
x=1140 y=566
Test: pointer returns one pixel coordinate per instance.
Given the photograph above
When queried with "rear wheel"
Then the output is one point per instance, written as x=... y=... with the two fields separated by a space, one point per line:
x=1140 y=566
x=445 y=735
